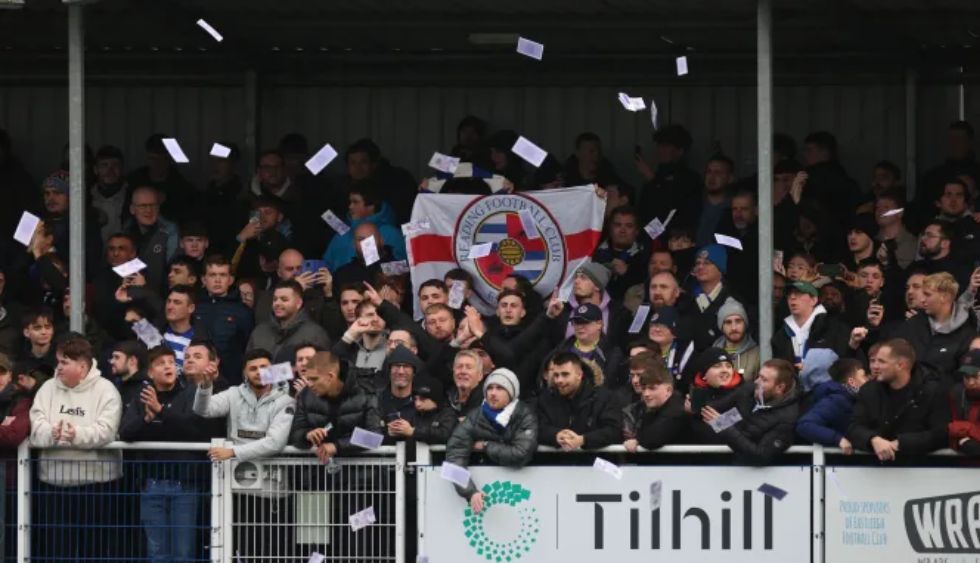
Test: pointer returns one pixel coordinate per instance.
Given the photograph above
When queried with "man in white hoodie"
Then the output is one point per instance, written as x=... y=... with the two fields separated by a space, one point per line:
x=74 y=415
x=807 y=326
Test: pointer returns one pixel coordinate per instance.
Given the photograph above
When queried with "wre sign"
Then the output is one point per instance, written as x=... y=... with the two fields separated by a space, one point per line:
x=576 y=515
x=903 y=515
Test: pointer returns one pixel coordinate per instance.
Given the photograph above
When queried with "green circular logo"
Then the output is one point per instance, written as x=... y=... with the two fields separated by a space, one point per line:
x=502 y=494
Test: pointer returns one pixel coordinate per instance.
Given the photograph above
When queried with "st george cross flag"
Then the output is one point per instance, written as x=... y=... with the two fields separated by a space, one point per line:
x=568 y=221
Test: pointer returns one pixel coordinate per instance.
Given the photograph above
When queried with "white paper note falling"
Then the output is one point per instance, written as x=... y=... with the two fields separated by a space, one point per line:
x=527 y=222
x=455 y=473
x=444 y=163
x=370 y=250
x=316 y=558
x=321 y=159
x=26 y=227
x=362 y=519
x=893 y=212
x=681 y=66
x=727 y=419
x=211 y=30
x=530 y=152
x=653 y=114
x=565 y=291
x=276 y=373
x=220 y=151
x=395 y=268
x=457 y=294
x=366 y=439
x=608 y=467
x=416 y=227
x=639 y=318
x=480 y=250
x=129 y=268
x=173 y=148
x=630 y=103
x=654 y=229
x=728 y=241
x=530 y=48
x=336 y=223
x=147 y=333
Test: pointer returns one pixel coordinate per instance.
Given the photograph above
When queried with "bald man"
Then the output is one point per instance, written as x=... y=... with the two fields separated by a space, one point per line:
x=358 y=270
x=317 y=286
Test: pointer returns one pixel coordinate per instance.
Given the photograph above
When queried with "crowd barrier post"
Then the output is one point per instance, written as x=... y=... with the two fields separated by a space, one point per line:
x=401 y=465
x=818 y=501
x=423 y=462
x=24 y=501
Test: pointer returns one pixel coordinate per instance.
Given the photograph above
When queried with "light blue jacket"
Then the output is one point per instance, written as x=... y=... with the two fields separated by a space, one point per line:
x=340 y=251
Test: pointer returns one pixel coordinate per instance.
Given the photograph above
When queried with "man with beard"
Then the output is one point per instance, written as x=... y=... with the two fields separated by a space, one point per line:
x=733 y=322
x=935 y=247
x=289 y=326
x=660 y=261
x=769 y=411
x=575 y=413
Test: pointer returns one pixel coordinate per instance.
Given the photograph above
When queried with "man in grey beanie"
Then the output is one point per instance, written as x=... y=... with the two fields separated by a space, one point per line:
x=733 y=322
x=504 y=430
x=589 y=286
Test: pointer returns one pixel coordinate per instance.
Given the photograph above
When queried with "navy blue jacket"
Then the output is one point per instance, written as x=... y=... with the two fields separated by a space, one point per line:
x=827 y=421
x=227 y=322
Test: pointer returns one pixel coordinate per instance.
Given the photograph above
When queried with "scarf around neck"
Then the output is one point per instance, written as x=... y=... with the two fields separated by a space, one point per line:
x=499 y=418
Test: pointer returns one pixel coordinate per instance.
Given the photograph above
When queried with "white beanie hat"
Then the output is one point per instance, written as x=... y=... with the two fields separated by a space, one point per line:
x=504 y=378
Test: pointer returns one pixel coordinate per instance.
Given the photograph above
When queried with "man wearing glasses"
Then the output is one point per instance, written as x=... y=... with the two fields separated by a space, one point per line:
x=156 y=237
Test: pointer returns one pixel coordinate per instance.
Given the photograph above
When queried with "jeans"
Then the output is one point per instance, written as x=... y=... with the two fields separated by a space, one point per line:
x=168 y=511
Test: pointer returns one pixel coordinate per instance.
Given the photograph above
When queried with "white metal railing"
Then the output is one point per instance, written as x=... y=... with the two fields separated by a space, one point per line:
x=292 y=465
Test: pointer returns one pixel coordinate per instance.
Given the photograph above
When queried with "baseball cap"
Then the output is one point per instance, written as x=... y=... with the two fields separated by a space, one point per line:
x=587 y=313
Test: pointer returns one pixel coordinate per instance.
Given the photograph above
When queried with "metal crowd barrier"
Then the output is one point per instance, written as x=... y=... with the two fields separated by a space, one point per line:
x=187 y=508
x=278 y=509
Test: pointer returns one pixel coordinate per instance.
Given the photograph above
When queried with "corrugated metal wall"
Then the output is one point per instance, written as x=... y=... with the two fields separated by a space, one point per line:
x=409 y=123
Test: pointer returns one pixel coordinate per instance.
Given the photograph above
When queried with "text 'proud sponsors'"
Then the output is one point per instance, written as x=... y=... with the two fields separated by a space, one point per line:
x=898 y=515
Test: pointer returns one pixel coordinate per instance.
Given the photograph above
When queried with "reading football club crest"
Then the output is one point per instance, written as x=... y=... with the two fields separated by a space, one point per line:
x=496 y=219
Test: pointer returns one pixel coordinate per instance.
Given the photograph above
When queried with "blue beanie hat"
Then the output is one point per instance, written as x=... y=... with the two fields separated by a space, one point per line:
x=716 y=254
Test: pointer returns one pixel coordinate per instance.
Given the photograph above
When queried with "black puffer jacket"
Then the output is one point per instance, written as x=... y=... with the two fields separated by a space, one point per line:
x=919 y=423
x=434 y=427
x=762 y=434
x=591 y=413
x=514 y=447
x=354 y=407
x=655 y=428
